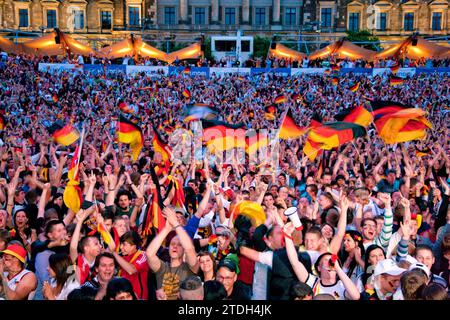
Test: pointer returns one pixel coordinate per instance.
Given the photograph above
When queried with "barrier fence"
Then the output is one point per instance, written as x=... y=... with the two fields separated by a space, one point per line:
x=209 y=72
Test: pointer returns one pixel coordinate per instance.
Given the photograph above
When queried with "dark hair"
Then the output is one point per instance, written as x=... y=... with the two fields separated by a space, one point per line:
x=83 y=293
x=423 y=247
x=84 y=241
x=103 y=255
x=214 y=290
x=49 y=226
x=132 y=237
x=123 y=193
x=363 y=221
x=118 y=285
x=369 y=249
x=316 y=265
x=191 y=283
x=344 y=254
x=299 y=290
x=5 y=236
x=313 y=187
x=60 y=263
x=434 y=291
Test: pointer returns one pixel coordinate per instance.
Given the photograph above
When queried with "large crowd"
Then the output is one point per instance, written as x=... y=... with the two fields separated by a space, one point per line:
x=375 y=218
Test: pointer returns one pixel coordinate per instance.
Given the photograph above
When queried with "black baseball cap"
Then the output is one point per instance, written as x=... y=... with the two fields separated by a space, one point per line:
x=229 y=264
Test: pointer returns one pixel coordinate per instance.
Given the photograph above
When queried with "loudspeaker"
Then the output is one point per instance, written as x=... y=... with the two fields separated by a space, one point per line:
x=273 y=45
x=202 y=47
x=414 y=42
x=57 y=39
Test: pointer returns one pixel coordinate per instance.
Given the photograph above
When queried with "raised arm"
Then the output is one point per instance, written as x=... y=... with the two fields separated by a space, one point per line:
x=186 y=242
x=153 y=261
x=299 y=269
x=336 y=242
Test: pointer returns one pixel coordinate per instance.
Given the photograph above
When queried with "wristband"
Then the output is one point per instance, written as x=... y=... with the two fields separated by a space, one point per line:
x=179 y=225
x=287 y=236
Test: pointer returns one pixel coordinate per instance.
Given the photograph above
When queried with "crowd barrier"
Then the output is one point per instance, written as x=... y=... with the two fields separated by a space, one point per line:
x=209 y=72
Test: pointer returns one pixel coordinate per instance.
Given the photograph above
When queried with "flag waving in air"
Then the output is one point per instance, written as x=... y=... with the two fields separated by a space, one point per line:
x=289 y=129
x=131 y=134
x=358 y=115
x=72 y=195
x=63 y=134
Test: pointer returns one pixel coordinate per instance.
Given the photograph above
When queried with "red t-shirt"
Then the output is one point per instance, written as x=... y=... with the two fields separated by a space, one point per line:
x=139 y=279
x=247 y=268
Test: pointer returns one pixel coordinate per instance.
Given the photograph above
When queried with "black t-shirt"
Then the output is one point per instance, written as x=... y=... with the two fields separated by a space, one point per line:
x=240 y=292
x=282 y=275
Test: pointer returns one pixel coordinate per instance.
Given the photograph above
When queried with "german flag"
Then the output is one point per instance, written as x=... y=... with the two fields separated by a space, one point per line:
x=402 y=125
x=55 y=98
x=199 y=111
x=395 y=68
x=327 y=71
x=269 y=112
x=254 y=141
x=187 y=70
x=316 y=120
x=413 y=130
x=106 y=235
x=354 y=87
x=153 y=217
x=423 y=152
x=65 y=135
x=130 y=133
x=331 y=135
x=160 y=146
x=72 y=195
x=335 y=81
x=280 y=99
x=335 y=67
x=380 y=108
x=125 y=108
x=2 y=122
x=358 y=115
x=186 y=93
x=289 y=129
x=179 y=197
x=395 y=81
x=250 y=209
x=222 y=136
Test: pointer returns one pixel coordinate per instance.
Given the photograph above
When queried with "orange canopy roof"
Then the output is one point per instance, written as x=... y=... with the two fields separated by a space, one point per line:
x=284 y=52
x=191 y=52
x=343 y=49
x=423 y=49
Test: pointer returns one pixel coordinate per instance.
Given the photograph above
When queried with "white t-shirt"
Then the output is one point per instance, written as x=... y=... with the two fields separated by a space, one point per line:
x=337 y=290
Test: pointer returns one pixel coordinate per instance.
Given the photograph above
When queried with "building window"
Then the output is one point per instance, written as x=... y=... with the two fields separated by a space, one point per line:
x=79 y=19
x=325 y=17
x=409 y=21
x=230 y=16
x=436 y=21
x=200 y=16
x=51 y=18
x=382 y=21
x=353 y=21
x=291 y=14
x=169 y=15
x=133 y=16
x=23 y=18
x=106 y=19
x=260 y=16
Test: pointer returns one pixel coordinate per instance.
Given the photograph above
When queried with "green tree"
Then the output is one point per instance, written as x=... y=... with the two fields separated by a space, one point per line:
x=261 y=46
x=207 y=43
x=364 y=36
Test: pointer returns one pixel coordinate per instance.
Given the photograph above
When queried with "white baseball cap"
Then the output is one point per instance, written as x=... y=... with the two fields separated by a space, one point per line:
x=388 y=266
x=422 y=267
